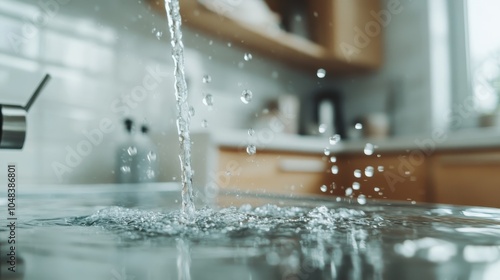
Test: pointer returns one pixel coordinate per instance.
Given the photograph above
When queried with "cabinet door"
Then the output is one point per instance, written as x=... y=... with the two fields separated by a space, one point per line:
x=271 y=172
x=390 y=176
x=351 y=30
x=471 y=178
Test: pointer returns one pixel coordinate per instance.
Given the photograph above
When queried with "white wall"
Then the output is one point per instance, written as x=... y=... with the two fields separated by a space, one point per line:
x=101 y=51
x=407 y=74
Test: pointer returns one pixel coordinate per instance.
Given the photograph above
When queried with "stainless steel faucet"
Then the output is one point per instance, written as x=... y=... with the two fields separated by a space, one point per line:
x=13 y=120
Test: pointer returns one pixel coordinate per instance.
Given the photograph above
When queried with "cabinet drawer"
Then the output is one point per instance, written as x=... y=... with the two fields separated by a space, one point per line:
x=471 y=178
x=269 y=171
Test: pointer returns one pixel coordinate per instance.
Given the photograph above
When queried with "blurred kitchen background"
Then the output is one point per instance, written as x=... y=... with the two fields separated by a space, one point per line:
x=416 y=80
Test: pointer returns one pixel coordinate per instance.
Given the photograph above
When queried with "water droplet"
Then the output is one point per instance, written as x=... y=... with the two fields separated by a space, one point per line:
x=322 y=128
x=150 y=174
x=251 y=149
x=413 y=202
x=348 y=192
x=125 y=169
x=204 y=123
x=362 y=199
x=334 y=139
x=251 y=132
x=380 y=168
x=407 y=173
x=358 y=126
x=191 y=111
x=356 y=186
x=158 y=35
x=246 y=96
x=132 y=151
x=228 y=173
x=207 y=79
x=368 y=149
x=335 y=169
x=248 y=56
x=208 y=100
x=321 y=73
x=327 y=152
x=333 y=159
x=315 y=14
x=369 y=170
x=211 y=42
x=229 y=44
x=324 y=188
x=357 y=173
x=376 y=189
x=151 y=156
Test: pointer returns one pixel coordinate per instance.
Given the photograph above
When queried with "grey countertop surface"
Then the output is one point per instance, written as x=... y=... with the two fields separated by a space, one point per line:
x=437 y=140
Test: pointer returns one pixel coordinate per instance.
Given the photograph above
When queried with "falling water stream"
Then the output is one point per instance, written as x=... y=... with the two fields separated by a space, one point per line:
x=183 y=115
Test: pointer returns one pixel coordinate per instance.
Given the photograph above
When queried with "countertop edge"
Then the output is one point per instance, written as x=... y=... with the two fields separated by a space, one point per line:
x=438 y=140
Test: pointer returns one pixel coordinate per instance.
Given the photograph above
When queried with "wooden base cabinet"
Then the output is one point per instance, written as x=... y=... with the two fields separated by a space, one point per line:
x=271 y=171
x=393 y=176
x=467 y=178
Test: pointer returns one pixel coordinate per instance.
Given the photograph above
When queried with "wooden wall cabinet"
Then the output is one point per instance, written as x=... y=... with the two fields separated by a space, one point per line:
x=347 y=37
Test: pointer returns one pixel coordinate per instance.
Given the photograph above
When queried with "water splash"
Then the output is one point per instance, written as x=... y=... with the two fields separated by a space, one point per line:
x=246 y=96
x=247 y=56
x=183 y=117
x=208 y=100
x=251 y=150
x=334 y=139
x=369 y=170
x=251 y=132
x=207 y=79
x=321 y=73
x=368 y=150
x=335 y=169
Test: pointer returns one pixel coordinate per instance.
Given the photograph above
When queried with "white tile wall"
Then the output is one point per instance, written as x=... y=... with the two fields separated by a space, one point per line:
x=99 y=52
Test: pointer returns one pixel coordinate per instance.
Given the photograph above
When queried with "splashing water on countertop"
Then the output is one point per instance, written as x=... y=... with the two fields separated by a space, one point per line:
x=263 y=237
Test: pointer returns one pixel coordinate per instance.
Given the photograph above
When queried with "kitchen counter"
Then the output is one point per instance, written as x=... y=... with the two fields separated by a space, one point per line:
x=268 y=140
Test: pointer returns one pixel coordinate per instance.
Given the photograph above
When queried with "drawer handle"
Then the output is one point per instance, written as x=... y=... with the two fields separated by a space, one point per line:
x=302 y=165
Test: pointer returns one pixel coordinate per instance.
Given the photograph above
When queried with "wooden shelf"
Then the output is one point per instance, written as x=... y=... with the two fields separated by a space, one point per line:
x=275 y=44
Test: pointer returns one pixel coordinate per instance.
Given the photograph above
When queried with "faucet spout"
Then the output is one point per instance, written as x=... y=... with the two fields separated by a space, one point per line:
x=13 y=120
x=37 y=92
